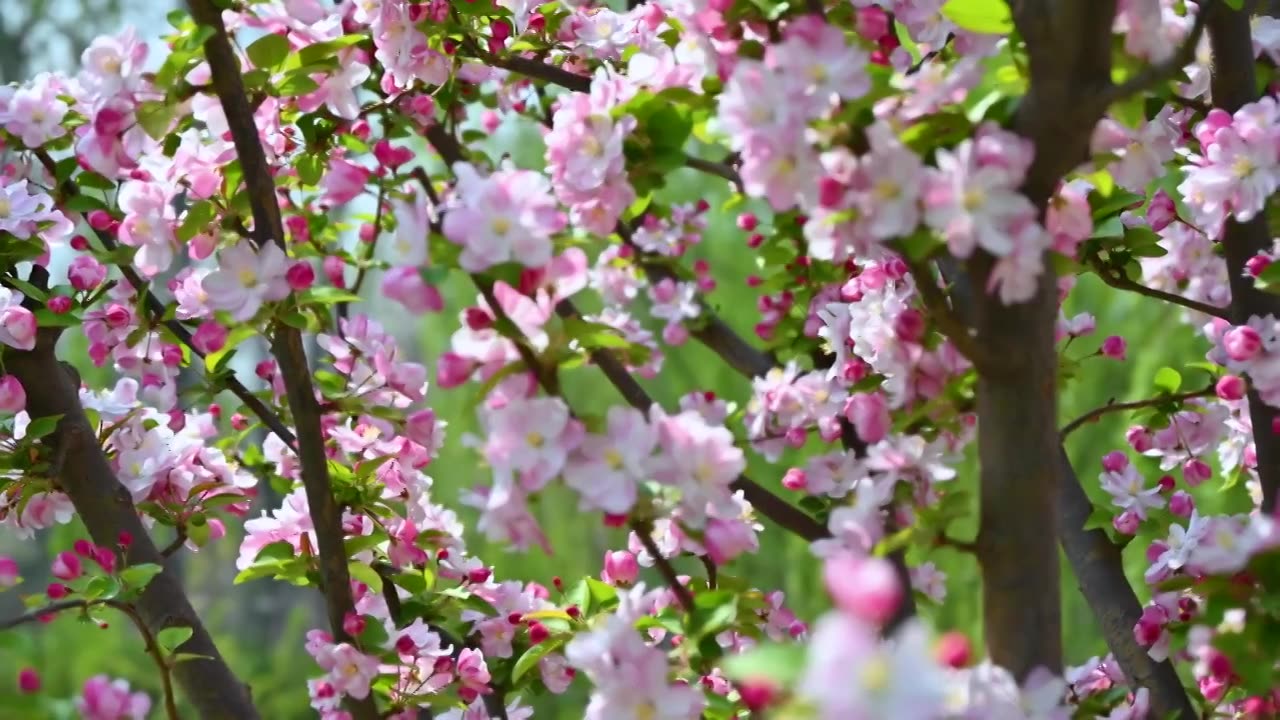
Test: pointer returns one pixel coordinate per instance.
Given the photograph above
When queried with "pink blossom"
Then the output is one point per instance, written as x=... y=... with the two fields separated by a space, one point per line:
x=246 y=279
x=17 y=324
x=473 y=672
x=868 y=588
x=34 y=113
x=66 y=566
x=620 y=568
x=699 y=459
x=210 y=337
x=9 y=576
x=1114 y=347
x=148 y=225
x=107 y=699
x=507 y=216
x=86 y=273
x=344 y=181
x=605 y=469
x=13 y=397
x=349 y=670
x=24 y=210
x=406 y=286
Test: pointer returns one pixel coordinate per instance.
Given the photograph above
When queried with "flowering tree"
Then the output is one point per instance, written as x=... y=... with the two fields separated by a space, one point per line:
x=919 y=183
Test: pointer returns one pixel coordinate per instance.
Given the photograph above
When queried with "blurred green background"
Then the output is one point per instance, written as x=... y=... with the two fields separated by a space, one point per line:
x=259 y=626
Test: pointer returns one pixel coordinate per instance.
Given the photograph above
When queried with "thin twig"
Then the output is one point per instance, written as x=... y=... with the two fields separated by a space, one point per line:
x=156 y=310
x=152 y=647
x=1113 y=406
x=178 y=541
x=940 y=311
x=1120 y=282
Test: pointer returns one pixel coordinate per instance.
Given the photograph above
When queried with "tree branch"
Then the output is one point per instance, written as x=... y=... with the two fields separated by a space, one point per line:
x=287 y=346
x=1120 y=282
x=1113 y=406
x=1233 y=85
x=107 y=509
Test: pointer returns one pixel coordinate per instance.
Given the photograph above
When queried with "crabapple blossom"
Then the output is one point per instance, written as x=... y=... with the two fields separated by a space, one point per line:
x=246 y=279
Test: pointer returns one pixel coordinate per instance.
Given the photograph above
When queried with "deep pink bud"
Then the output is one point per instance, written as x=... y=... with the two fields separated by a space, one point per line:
x=80 y=242
x=1155 y=550
x=1182 y=504
x=1242 y=343
x=1196 y=471
x=99 y=220
x=210 y=337
x=757 y=695
x=1139 y=439
x=300 y=276
x=537 y=633
x=872 y=23
x=954 y=650
x=59 y=304
x=909 y=325
x=620 y=568
x=1256 y=265
x=83 y=547
x=867 y=588
x=66 y=566
x=86 y=273
x=1114 y=347
x=748 y=221
x=1126 y=523
x=1115 y=461
x=1230 y=387
x=335 y=269
x=105 y=558
x=124 y=539
x=57 y=591
x=1161 y=212
x=614 y=521
x=239 y=421
x=353 y=624
x=1167 y=483
x=830 y=192
x=13 y=397
x=28 y=681
x=453 y=370
x=794 y=479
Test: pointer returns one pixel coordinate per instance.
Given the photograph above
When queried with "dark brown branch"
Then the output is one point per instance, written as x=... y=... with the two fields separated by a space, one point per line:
x=1113 y=406
x=287 y=346
x=1233 y=85
x=107 y=509
x=1120 y=282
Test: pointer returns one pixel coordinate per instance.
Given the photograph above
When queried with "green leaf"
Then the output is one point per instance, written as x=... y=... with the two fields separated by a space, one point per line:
x=991 y=17
x=297 y=83
x=83 y=204
x=102 y=587
x=171 y=637
x=155 y=116
x=310 y=167
x=594 y=335
x=268 y=51
x=779 y=663
x=713 y=613
x=327 y=296
x=530 y=658
x=1168 y=380
x=365 y=574
x=41 y=427
x=136 y=577
x=198 y=218
x=27 y=289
